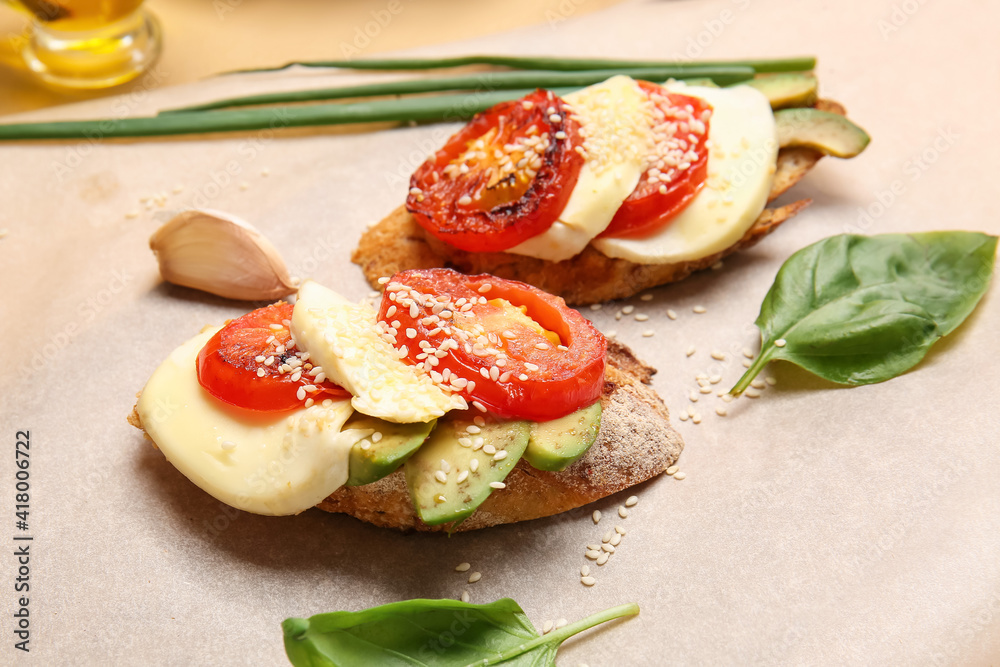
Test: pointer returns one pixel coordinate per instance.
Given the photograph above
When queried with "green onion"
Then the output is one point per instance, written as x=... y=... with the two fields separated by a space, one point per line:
x=797 y=64
x=722 y=76
x=425 y=109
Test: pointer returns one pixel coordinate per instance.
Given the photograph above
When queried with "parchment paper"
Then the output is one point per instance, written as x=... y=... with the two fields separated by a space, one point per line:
x=817 y=524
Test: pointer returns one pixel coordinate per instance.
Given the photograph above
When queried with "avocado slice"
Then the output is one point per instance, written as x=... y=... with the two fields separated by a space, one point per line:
x=555 y=445
x=371 y=461
x=439 y=502
x=787 y=90
x=827 y=132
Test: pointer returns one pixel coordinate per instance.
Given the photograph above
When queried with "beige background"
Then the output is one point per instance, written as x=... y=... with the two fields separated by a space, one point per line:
x=817 y=525
x=205 y=37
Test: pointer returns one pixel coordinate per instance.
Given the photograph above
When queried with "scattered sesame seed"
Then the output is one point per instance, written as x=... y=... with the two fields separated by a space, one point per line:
x=693 y=396
x=585 y=571
x=619 y=530
x=484 y=288
x=593 y=547
x=646 y=297
x=672 y=314
x=699 y=309
x=672 y=469
x=228 y=445
x=705 y=389
x=473 y=429
x=608 y=548
x=751 y=393
x=781 y=342
x=603 y=558
x=748 y=353
x=474 y=465
x=440 y=476
x=684 y=416
x=465 y=596
x=771 y=380
x=648 y=333
x=718 y=356
x=641 y=317
x=690 y=351
x=500 y=456
x=728 y=398
x=628 y=309
x=489 y=449
x=131 y=214
x=631 y=502
x=746 y=363
x=607 y=536
x=592 y=554
x=715 y=379
x=547 y=627
x=498 y=485
x=758 y=384
x=588 y=581
x=476 y=404
x=310 y=402
x=463 y=567
x=596 y=306
x=680 y=475
x=721 y=411
x=596 y=516
x=616 y=540
x=462 y=476
x=244 y=186
x=561 y=623
x=611 y=334
x=475 y=576
x=622 y=512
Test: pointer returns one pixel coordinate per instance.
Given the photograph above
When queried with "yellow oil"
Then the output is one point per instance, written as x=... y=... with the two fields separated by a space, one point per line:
x=79 y=15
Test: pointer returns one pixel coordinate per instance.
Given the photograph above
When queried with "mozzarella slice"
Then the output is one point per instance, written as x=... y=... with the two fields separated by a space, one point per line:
x=616 y=125
x=340 y=336
x=257 y=462
x=741 y=165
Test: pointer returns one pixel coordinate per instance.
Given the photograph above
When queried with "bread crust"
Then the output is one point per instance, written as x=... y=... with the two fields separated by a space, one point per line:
x=398 y=243
x=636 y=442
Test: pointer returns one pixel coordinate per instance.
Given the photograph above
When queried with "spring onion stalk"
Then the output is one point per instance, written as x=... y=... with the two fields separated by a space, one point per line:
x=722 y=76
x=796 y=64
x=420 y=109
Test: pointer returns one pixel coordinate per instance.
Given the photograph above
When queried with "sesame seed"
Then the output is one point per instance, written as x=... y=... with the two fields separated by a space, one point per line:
x=441 y=477
x=672 y=314
x=474 y=465
x=641 y=317
x=622 y=512
x=648 y=333
x=588 y=581
x=445 y=466
x=462 y=567
x=530 y=366
x=751 y=393
x=721 y=411
x=561 y=623
x=607 y=536
x=596 y=516
x=596 y=306
x=608 y=548
x=728 y=398
x=592 y=554
x=594 y=547
x=228 y=445
x=646 y=297
x=301 y=394
x=632 y=500
x=309 y=402
x=690 y=351
x=498 y=485
x=616 y=540
x=483 y=289
x=489 y=449
x=547 y=628
x=679 y=476
x=771 y=380
x=585 y=571
x=715 y=379
x=275 y=327
x=748 y=353
x=705 y=389
x=603 y=558
x=462 y=476
x=383 y=280
x=699 y=309
x=718 y=356
x=541 y=346
x=619 y=530
x=628 y=309
x=476 y=404
x=411 y=333
x=696 y=418
x=758 y=384
x=684 y=416
x=500 y=456
x=781 y=342
x=522 y=377
x=475 y=576
x=465 y=596
x=465 y=200
x=693 y=396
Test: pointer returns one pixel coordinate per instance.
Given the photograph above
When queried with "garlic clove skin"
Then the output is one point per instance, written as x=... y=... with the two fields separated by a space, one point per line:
x=218 y=253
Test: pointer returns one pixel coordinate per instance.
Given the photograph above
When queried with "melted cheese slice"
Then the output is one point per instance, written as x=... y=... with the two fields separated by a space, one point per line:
x=741 y=165
x=615 y=121
x=257 y=462
x=340 y=336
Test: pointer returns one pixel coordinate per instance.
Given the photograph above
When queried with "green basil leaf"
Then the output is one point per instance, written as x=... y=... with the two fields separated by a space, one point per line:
x=864 y=309
x=430 y=632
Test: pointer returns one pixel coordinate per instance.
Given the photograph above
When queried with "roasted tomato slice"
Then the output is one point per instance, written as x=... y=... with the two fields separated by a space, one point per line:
x=681 y=129
x=513 y=349
x=252 y=363
x=505 y=177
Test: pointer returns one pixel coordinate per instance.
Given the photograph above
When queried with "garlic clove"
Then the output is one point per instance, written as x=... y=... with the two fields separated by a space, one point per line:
x=218 y=253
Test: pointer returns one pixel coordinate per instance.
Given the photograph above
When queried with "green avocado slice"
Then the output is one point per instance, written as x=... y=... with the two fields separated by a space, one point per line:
x=827 y=132
x=555 y=445
x=370 y=460
x=787 y=90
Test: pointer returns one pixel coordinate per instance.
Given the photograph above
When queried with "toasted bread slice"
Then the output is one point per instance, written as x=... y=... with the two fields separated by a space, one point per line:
x=398 y=243
x=635 y=443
